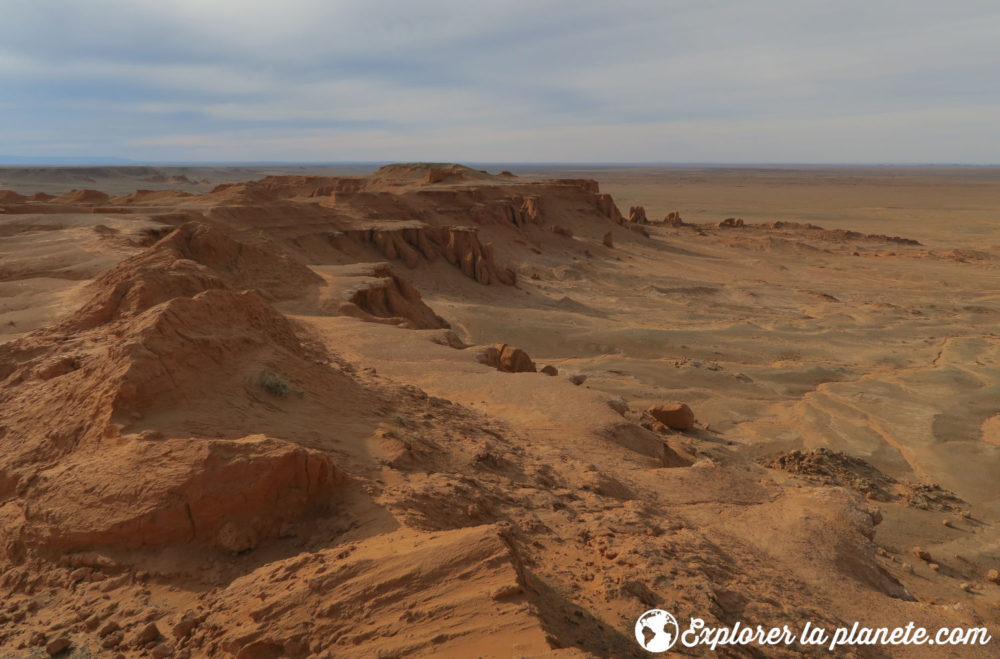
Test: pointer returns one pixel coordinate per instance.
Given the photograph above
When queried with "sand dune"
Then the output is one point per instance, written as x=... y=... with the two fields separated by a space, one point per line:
x=294 y=416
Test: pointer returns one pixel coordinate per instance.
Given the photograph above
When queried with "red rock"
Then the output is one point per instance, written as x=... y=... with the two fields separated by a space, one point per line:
x=531 y=209
x=506 y=358
x=637 y=214
x=80 y=573
x=148 y=634
x=58 y=645
x=678 y=416
x=731 y=222
x=162 y=651
x=389 y=298
x=606 y=207
x=186 y=625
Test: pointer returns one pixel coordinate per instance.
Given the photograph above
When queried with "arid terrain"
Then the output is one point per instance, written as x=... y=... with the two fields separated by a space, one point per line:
x=427 y=410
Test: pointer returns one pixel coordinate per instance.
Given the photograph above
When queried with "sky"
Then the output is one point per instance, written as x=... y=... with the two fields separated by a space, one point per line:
x=729 y=81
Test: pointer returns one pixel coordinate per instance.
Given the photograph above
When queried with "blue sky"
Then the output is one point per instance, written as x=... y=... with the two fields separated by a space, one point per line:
x=505 y=81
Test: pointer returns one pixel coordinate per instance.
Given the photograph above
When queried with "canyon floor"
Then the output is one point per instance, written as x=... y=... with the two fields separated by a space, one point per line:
x=277 y=411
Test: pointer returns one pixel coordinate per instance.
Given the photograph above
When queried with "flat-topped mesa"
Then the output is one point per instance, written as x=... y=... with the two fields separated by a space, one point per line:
x=845 y=234
x=813 y=230
x=422 y=173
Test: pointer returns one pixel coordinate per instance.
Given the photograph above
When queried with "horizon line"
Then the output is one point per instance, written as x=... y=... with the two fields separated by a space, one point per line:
x=30 y=161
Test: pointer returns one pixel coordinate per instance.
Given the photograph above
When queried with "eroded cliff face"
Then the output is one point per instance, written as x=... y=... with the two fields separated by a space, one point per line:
x=414 y=214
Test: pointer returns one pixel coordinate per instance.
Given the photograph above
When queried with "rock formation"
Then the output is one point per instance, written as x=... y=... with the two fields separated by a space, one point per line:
x=637 y=214
x=386 y=297
x=507 y=359
x=677 y=416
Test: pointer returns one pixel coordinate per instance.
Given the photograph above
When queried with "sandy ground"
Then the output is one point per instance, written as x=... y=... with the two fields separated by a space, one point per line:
x=838 y=349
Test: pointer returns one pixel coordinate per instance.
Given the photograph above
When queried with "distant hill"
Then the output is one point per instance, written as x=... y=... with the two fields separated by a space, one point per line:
x=52 y=160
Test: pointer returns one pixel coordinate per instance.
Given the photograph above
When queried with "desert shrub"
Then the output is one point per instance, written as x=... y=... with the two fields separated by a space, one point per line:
x=272 y=383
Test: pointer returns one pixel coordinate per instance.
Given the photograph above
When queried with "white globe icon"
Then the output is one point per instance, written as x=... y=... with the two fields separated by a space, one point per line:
x=656 y=630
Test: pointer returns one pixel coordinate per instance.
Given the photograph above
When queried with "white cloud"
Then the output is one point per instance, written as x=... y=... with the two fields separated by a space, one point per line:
x=636 y=80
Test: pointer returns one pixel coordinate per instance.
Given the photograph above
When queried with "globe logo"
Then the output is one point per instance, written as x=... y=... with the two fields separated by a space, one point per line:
x=656 y=630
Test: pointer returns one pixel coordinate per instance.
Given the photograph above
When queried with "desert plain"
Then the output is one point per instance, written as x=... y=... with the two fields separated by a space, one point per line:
x=301 y=411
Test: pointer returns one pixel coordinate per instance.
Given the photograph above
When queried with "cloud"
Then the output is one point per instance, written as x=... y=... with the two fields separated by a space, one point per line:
x=705 y=80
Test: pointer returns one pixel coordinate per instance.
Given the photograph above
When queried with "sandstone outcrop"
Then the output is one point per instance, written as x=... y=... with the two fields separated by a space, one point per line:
x=228 y=493
x=459 y=246
x=191 y=259
x=386 y=297
x=606 y=207
x=318 y=588
x=637 y=214
x=673 y=219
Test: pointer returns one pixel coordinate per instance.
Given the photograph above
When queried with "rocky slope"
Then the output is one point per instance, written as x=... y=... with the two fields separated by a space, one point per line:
x=260 y=432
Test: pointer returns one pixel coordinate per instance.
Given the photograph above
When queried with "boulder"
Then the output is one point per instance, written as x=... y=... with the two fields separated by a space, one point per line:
x=550 y=370
x=677 y=416
x=148 y=634
x=57 y=646
x=609 y=240
x=506 y=358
